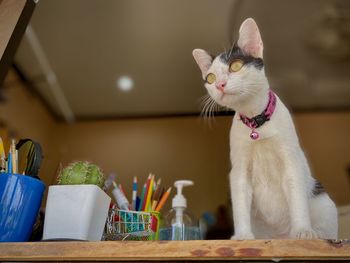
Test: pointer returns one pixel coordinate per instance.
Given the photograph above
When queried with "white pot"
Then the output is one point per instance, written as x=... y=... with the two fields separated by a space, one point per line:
x=75 y=212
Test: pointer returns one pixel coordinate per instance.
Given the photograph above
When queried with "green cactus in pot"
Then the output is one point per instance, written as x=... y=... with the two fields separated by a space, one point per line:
x=81 y=172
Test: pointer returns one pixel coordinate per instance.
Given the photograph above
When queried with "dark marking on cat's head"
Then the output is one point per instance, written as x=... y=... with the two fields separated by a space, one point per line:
x=236 y=53
x=318 y=189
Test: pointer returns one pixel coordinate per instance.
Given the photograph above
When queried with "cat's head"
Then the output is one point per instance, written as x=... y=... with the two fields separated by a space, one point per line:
x=235 y=76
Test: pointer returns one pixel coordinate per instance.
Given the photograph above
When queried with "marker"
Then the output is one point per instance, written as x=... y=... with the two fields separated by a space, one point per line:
x=134 y=193
x=120 y=198
x=163 y=200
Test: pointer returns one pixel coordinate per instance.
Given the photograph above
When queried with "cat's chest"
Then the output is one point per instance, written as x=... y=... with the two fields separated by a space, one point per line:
x=265 y=165
x=267 y=180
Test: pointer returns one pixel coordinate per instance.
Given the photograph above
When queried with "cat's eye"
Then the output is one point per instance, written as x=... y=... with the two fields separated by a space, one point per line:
x=236 y=65
x=210 y=78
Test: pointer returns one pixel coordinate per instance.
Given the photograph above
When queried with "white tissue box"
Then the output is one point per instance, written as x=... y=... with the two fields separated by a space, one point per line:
x=75 y=212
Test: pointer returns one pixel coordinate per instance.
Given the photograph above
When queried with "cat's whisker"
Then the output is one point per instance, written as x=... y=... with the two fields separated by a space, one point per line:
x=209 y=107
x=204 y=104
x=211 y=113
x=207 y=100
x=205 y=108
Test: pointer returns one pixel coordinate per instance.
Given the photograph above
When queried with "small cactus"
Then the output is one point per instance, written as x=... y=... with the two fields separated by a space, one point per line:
x=81 y=173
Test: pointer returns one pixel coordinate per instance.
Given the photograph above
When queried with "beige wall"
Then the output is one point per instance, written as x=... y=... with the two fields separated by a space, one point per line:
x=24 y=113
x=173 y=148
x=325 y=139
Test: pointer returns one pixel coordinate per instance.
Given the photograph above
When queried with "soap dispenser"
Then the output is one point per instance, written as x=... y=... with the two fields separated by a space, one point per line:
x=178 y=224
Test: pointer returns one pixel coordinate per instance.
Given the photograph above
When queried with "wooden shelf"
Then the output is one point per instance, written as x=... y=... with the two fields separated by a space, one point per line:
x=228 y=250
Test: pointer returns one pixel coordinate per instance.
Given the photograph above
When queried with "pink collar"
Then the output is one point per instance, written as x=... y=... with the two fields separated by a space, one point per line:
x=259 y=120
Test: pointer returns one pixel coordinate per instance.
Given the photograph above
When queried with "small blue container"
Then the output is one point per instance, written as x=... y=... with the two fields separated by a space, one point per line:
x=20 y=200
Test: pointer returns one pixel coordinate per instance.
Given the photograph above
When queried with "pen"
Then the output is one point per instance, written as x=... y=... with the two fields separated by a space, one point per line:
x=134 y=193
x=163 y=200
x=120 y=198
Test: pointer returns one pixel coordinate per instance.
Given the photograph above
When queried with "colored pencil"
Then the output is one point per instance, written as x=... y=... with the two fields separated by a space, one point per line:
x=2 y=149
x=163 y=200
x=2 y=157
x=134 y=193
x=9 y=163
x=149 y=194
x=148 y=185
x=142 y=197
x=156 y=195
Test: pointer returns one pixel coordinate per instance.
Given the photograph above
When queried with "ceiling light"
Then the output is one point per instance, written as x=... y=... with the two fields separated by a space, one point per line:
x=125 y=83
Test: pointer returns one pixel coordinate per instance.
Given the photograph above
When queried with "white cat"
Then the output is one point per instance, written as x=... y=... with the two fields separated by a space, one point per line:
x=272 y=190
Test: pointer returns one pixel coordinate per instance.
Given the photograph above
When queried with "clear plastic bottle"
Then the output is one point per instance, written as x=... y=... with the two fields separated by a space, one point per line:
x=178 y=223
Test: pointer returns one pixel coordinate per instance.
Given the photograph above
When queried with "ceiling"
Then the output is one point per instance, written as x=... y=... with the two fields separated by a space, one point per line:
x=74 y=51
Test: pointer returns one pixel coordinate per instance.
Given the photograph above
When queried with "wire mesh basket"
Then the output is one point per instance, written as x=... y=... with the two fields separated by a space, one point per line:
x=131 y=225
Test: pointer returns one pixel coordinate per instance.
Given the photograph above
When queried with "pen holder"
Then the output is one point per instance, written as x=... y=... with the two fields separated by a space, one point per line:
x=20 y=200
x=131 y=225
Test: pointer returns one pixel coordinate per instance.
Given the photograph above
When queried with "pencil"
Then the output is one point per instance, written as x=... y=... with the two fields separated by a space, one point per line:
x=2 y=157
x=156 y=195
x=142 y=197
x=9 y=163
x=146 y=192
x=149 y=194
x=134 y=193
x=163 y=200
x=14 y=156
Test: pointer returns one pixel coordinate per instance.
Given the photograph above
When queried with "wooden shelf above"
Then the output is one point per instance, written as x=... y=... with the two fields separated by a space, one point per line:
x=228 y=250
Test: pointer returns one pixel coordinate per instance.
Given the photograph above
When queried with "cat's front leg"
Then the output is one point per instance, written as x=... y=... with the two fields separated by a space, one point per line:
x=241 y=194
x=295 y=188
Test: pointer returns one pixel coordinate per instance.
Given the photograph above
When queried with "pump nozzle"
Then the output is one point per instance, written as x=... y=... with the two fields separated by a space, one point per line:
x=179 y=200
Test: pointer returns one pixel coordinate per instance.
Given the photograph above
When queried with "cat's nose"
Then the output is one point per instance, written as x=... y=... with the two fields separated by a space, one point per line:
x=220 y=85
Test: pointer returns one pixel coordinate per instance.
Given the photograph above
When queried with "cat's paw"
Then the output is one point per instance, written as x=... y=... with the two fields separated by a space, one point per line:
x=243 y=236
x=304 y=234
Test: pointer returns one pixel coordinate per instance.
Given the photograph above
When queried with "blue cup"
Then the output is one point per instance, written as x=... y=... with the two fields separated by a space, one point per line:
x=20 y=200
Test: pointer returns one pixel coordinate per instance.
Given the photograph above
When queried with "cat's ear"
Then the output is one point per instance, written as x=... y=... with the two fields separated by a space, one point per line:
x=249 y=39
x=203 y=60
